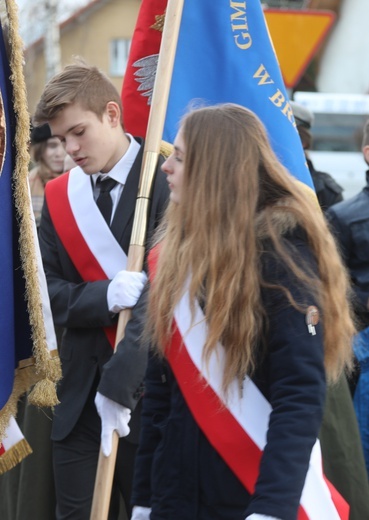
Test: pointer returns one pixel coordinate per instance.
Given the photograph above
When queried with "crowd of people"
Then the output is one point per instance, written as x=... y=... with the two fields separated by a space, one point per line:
x=230 y=390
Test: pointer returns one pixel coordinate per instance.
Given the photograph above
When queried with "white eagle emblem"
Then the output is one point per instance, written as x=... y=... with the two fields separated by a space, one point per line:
x=145 y=75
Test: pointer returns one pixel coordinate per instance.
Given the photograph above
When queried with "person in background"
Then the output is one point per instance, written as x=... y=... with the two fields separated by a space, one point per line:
x=48 y=155
x=245 y=286
x=327 y=189
x=349 y=221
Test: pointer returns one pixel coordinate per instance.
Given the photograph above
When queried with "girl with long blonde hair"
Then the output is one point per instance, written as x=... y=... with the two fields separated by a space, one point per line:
x=248 y=311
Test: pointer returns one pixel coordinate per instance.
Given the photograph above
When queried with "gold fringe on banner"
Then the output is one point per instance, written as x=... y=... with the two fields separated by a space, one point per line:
x=14 y=455
x=45 y=365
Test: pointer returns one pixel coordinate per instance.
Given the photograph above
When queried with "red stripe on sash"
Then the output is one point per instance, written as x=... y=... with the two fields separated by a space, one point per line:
x=56 y=193
x=66 y=227
x=2 y=450
x=212 y=416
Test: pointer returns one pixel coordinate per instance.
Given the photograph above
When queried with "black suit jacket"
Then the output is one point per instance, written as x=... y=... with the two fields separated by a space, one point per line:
x=81 y=307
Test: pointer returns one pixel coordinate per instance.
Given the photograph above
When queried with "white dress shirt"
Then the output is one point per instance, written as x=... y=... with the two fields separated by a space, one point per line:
x=119 y=173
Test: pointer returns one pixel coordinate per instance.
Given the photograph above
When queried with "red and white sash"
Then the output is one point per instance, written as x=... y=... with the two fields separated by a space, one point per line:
x=240 y=421
x=83 y=231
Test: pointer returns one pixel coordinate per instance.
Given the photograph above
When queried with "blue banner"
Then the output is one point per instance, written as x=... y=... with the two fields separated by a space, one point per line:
x=224 y=54
x=15 y=330
x=7 y=339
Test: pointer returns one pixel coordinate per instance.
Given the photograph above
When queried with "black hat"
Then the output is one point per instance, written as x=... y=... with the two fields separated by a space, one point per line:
x=303 y=116
x=40 y=133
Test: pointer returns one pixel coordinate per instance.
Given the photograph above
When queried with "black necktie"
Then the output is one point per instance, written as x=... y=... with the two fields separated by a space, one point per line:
x=104 y=201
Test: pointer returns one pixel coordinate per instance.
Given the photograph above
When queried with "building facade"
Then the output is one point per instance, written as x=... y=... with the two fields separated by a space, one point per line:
x=100 y=33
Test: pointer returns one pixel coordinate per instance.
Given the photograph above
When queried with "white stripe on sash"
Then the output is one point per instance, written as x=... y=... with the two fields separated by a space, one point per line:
x=92 y=225
x=251 y=409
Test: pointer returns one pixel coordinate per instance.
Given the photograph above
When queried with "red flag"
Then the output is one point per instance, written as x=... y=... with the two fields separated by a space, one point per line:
x=141 y=68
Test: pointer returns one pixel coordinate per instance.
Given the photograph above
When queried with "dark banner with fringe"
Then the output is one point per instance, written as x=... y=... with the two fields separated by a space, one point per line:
x=15 y=329
x=27 y=338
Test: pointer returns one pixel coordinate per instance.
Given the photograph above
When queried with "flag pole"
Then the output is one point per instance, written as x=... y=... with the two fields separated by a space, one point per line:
x=106 y=465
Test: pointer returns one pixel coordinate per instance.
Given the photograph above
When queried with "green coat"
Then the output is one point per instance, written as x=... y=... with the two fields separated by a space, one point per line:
x=342 y=452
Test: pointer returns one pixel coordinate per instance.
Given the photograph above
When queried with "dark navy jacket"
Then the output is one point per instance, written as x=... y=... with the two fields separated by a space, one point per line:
x=178 y=473
x=327 y=190
x=350 y=224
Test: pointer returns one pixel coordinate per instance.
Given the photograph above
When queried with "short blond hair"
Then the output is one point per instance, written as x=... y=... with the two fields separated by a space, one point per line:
x=77 y=83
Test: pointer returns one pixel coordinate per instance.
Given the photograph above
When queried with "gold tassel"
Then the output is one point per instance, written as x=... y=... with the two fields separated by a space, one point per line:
x=48 y=363
x=43 y=394
x=14 y=455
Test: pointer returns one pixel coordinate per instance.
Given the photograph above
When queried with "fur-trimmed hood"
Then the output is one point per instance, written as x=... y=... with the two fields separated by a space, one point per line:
x=281 y=216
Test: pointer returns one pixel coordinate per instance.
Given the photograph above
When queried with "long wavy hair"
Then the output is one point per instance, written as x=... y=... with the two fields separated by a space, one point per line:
x=234 y=189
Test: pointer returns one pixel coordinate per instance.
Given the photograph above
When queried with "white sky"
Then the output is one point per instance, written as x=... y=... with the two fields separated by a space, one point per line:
x=31 y=20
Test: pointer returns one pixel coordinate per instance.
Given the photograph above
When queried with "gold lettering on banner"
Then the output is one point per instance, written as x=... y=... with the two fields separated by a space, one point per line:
x=239 y=25
x=287 y=111
x=263 y=75
x=243 y=40
x=278 y=99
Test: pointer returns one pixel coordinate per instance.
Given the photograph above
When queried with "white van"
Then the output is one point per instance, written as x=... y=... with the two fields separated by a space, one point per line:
x=337 y=135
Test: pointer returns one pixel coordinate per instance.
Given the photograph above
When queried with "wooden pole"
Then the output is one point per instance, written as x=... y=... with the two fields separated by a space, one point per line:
x=106 y=465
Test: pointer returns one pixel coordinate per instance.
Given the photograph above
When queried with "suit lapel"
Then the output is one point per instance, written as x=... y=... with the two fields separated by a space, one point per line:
x=127 y=202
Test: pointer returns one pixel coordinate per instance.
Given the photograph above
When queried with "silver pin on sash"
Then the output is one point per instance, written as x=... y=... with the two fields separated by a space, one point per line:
x=312 y=319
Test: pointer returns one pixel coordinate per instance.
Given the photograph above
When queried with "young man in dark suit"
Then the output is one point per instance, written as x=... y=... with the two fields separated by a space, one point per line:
x=85 y=233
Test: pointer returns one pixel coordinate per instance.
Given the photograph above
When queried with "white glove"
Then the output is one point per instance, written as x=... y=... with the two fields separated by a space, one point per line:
x=141 y=513
x=113 y=416
x=256 y=516
x=125 y=289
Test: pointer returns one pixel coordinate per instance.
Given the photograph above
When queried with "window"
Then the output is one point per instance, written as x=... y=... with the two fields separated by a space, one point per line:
x=119 y=50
